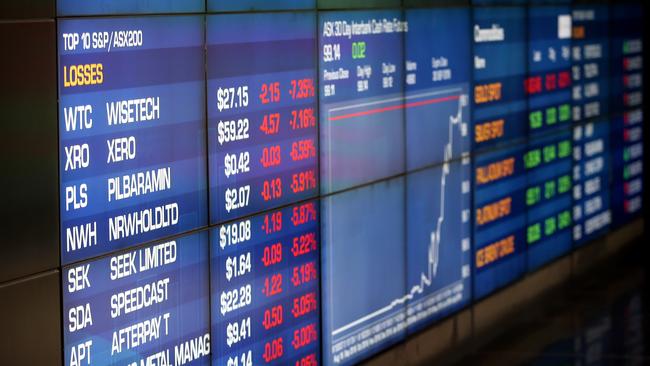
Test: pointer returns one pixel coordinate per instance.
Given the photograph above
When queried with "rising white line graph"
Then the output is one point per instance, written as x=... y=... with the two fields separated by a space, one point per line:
x=433 y=256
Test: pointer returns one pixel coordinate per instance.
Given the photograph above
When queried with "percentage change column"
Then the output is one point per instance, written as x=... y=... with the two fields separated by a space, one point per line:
x=265 y=301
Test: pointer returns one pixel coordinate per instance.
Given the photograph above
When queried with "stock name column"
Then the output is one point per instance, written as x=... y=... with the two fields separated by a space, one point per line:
x=627 y=119
x=499 y=130
x=145 y=306
x=132 y=170
x=132 y=131
x=262 y=139
x=591 y=118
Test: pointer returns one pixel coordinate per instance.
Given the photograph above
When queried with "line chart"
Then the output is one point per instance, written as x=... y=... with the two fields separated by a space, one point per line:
x=433 y=255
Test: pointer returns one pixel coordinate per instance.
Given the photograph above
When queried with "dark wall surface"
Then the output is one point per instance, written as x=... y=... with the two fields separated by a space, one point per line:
x=31 y=323
x=28 y=153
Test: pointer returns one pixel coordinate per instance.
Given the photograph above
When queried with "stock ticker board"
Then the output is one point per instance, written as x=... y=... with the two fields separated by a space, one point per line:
x=262 y=183
x=132 y=132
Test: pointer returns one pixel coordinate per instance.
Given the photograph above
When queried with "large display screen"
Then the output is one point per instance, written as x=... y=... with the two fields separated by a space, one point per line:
x=421 y=117
x=131 y=131
x=306 y=182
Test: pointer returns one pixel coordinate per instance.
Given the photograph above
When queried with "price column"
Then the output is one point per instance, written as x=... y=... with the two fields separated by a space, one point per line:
x=262 y=130
x=627 y=123
x=591 y=153
x=265 y=289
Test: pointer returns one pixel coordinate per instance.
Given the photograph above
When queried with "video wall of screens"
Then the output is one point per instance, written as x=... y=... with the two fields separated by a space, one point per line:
x=261 y=182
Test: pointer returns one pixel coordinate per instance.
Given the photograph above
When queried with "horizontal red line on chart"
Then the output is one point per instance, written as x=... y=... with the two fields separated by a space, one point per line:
x=395 y=107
